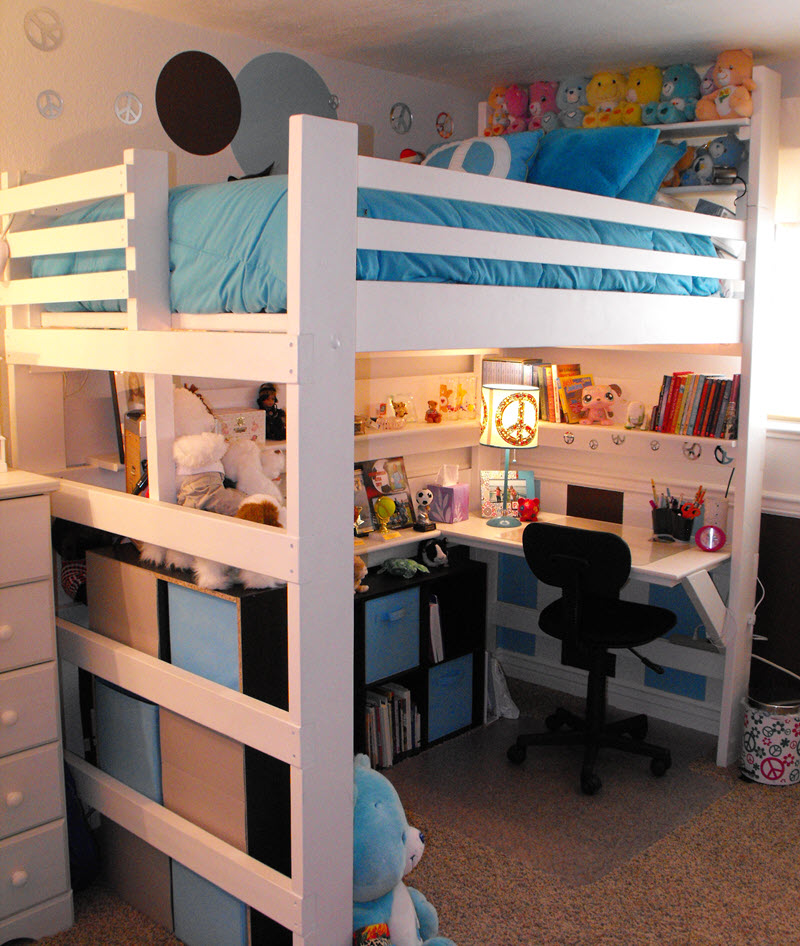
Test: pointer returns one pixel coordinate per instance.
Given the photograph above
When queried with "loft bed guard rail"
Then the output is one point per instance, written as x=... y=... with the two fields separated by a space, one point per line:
x=544 y=315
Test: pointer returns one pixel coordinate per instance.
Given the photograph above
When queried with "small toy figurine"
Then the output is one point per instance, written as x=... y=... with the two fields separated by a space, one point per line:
x=423 y=523
x=276 y=417
x=359 y=572
x=432 y=415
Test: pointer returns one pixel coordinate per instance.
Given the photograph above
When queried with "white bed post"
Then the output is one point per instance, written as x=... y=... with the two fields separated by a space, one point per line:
x=748 y=479
x=321 y=298
x=147 y=258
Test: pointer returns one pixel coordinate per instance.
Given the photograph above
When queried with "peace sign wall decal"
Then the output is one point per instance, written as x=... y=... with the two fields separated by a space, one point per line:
x=43 y=29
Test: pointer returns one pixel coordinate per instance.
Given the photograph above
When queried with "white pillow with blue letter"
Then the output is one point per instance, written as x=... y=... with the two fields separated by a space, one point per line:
x=507 y=156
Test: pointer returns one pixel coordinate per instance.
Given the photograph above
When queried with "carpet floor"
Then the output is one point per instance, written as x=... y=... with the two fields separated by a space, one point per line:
x=517 y=856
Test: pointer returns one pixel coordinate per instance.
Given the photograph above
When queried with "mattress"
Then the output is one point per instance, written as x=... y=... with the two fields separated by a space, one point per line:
x=228 y=248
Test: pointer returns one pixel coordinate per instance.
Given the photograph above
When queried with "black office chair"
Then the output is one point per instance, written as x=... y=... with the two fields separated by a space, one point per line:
x=590 y=620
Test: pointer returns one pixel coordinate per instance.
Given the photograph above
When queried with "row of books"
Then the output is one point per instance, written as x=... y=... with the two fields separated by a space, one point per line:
x=698 y=405
x=393 y=723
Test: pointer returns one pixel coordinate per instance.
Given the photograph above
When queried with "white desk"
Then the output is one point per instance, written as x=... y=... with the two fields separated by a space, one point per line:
x=659 y=563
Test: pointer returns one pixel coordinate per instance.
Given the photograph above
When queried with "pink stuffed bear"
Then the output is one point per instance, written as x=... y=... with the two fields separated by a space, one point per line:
x=543 y=108
x=597 y=401
x=517 y=108
x=733 y=78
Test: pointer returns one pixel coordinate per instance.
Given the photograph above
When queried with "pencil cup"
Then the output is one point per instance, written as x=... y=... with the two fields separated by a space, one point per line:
x=662 y=521
x=681 y=526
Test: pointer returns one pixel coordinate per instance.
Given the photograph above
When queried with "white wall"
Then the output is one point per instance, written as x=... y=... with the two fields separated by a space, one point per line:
x=106 y=51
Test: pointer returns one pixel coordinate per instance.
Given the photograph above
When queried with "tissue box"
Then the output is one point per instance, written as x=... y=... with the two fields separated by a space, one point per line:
x=235 y=423
x=450 y=503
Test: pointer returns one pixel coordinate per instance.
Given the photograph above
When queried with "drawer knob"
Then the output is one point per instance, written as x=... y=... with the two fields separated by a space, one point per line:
x=6 y=632
x=9 y=717
x=19 y=878
x=14 y=799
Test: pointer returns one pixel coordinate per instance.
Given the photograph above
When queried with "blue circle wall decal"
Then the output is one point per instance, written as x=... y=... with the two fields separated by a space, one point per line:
x=198 y=103
x=272 y=87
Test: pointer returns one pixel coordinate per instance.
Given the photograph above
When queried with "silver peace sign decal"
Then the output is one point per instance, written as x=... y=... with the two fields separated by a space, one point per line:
x=400 y=117
x=128 y=108
x=49 y=103
x=43 y=29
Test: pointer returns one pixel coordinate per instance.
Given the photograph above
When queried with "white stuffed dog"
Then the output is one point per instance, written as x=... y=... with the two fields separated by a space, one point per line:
x=203 y=460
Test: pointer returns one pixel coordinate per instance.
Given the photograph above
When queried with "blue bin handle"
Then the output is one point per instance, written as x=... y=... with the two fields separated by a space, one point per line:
x=394 y=616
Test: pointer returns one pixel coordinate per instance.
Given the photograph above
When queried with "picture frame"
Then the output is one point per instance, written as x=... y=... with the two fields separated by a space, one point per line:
x=386 y=476
x=363 y=522
x=521 y=483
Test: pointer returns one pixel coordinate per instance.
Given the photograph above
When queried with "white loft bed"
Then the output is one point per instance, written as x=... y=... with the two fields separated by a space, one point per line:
x=311 y=348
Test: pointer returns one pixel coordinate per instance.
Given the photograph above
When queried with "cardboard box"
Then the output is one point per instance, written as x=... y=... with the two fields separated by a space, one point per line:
x=450 y=503
x=235 y=423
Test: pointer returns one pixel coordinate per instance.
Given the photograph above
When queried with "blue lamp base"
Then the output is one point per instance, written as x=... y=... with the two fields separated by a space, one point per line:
x=505 y=521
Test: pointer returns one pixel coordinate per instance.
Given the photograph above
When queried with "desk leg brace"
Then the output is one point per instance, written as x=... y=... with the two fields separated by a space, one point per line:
x=704 y=596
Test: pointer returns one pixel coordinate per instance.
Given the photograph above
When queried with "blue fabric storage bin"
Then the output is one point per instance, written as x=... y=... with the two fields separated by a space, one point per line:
x=204 y=914
x=128 y=739
x=391 y=634
x=449 y=697
x=204 y=634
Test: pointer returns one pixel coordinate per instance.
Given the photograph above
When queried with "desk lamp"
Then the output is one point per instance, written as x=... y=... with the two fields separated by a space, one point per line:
x=510 y=419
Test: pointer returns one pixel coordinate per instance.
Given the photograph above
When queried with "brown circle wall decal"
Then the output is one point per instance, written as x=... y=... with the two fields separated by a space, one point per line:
x=198 y=103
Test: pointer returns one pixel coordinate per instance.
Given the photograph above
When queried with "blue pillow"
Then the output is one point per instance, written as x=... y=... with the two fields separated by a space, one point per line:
x=595 y=161
x=647 y=180
x=507 y=156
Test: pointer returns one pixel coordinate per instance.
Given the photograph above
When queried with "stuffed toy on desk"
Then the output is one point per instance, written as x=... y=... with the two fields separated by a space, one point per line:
x=385 y=849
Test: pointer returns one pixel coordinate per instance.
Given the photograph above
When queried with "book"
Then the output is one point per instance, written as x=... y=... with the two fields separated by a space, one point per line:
x=676 y=387
x=435 y=626
x=662 y=402
x=720 y=409
x=553 y=412
x=496 y=369
x=570 y=390
x=689 y=400
x=696 y=395
x=560 y=372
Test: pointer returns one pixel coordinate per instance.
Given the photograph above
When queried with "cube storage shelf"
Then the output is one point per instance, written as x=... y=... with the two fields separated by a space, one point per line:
x=237 y=638
x=393 y=650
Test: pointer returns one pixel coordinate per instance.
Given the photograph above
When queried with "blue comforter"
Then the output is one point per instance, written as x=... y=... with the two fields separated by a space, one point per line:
x=228 y=248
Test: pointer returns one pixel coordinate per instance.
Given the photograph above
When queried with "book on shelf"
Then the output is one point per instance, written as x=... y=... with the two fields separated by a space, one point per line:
x=697 y=405
x=500 y=370
x=570 y=393
x=435 y=625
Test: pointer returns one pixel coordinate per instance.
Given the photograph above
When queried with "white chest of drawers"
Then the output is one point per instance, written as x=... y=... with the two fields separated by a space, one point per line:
x=35 y=895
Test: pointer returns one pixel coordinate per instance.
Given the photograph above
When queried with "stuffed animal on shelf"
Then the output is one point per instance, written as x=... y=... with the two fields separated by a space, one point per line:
x=644 y=87
x=402 y=567
x=733 y=81
x=680 y=91
x=385 y=849
x=359 y=573
x=517 y=109
x=542 y=108
x=726 y=151
x=433 y=552
x=570 y=99
x=597 y=403
x=497 y=121
x=203 y=460
x=684 y=162
x=604 y=95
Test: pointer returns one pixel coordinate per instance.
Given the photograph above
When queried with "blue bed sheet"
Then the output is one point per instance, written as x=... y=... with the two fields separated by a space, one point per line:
x=228 y=248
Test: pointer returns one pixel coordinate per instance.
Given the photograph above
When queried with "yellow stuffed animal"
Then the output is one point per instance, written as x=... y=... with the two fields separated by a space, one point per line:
x=733 y=78
x=604 y=93
x=644 y=85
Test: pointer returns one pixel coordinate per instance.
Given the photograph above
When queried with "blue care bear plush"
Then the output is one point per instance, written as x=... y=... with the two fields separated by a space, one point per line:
x=385 y=849
x=727 y=151
x=680 y=91
x=570 y=99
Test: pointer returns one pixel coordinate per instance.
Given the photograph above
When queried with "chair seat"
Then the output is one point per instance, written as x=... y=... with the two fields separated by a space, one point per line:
x=610 y=622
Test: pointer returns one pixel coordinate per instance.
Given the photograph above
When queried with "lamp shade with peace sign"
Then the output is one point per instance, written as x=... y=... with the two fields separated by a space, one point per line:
x=509 y=419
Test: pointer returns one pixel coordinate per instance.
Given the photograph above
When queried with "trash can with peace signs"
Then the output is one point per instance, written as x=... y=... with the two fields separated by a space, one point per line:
x=770 y=742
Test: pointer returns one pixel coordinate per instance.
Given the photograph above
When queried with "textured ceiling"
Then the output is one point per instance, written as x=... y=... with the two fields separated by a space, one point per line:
x=475 y=43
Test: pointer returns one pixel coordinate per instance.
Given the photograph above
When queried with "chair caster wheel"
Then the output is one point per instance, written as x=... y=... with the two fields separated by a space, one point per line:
x=516 y=754
x=590 y=784
x=659 y=766
x=553 y=722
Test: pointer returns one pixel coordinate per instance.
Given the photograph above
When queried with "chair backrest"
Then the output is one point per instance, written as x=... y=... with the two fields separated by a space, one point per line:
x=580 y=561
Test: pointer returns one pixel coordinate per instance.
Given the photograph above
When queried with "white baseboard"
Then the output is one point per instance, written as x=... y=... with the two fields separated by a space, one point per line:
x=622 y=694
